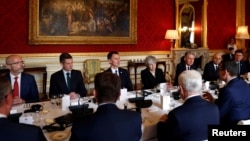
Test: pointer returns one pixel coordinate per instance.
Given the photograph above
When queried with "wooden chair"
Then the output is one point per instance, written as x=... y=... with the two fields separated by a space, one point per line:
x=91 y=68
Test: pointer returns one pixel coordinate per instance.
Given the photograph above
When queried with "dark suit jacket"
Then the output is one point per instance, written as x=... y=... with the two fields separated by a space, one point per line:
x=247 y=65
x=209 y=73
x=189 y=122
x=243 y=68
x=58 y=83
x=125 y=78
x=28 y=90
x=234 y=102
x=149 y=81
x=108 y=123
x=10 y=131
x=226 y=57
x=179 y=69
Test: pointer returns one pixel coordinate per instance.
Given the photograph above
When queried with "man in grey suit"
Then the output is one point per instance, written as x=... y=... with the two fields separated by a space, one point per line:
x=108 y=123
x=67 y=80
x=10 y=131
x=189 y=121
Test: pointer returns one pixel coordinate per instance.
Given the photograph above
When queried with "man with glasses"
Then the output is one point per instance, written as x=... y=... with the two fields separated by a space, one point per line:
x=23 y=85
x=13 y=131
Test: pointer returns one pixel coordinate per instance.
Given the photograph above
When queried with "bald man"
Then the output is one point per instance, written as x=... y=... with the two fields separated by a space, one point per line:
x=211 y=72
x=27 y=88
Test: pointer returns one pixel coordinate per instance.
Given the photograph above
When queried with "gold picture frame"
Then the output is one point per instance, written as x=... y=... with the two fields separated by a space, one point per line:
x=82 y=22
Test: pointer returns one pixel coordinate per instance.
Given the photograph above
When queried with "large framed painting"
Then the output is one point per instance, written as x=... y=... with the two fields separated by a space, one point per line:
x=82 y=22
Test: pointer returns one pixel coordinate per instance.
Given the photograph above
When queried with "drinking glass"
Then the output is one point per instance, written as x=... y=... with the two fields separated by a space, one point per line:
x=53 y=100
x=59 y=99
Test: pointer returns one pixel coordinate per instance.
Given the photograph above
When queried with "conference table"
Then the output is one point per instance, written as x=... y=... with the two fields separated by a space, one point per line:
x=150 y=116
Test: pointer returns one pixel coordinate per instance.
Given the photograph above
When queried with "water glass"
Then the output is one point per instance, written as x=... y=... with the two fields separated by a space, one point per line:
x=59 y=99
x=53 y=100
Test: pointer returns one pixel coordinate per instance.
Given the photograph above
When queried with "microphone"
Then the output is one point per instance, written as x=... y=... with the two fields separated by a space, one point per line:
x=79 y=111
x=135 y=99
x=140 y=102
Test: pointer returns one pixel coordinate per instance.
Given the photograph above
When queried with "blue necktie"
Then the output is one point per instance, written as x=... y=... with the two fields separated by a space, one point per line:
x=68 y=80
x=116 y=72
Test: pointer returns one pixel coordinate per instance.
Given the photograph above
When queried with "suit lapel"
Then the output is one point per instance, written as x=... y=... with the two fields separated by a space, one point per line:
x=23 y=83
x=62 y=79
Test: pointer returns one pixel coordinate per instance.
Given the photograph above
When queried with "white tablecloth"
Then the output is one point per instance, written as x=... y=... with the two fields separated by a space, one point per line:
x=150 y=116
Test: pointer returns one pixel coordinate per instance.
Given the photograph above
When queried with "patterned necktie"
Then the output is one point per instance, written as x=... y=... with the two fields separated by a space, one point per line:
x=16 y=88
x=68 y=80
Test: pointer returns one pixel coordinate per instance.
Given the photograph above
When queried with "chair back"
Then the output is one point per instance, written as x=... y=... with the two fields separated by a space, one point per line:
x=91 y=68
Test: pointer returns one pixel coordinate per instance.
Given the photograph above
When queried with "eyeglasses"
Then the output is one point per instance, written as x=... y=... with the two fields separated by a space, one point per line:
x=16 y=63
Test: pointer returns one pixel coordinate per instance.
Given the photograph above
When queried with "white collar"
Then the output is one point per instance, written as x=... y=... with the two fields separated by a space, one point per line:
x=13 y=76
x=3 y=116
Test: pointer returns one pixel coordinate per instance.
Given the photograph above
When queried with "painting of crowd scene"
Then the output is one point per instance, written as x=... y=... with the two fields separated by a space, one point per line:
x=84 y=18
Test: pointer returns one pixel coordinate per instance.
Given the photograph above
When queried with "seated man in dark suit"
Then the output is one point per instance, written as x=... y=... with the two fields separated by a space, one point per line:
x=187 y=65
x=114 y=61
x=189 y=121
x=11 y=131
x=24 y=85
x=242 y=68
x=67 y=80
x=247 y=61
x=229 y=56
x=234 y=99
x=151 y=76
x=108 y=123
x=211 y=72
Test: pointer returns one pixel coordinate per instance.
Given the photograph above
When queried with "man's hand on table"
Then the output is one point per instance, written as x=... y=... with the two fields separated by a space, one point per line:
x=74 y=95
x=18 y=100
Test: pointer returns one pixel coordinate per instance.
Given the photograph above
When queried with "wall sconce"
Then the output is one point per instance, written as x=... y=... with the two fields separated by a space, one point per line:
x=185 y=29
x=172 y=35
x=242 y=33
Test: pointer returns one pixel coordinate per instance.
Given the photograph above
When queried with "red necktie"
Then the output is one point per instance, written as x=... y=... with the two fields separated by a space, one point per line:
x=16 y=88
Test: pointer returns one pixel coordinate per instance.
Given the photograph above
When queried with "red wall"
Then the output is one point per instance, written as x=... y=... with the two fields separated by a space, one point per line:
x=248 y=19
x=221 y=22
x=154 y=18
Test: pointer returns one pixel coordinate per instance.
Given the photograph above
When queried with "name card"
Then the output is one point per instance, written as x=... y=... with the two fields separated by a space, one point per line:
x=165 y=102
x=65 y=102
x=124 y=94
x=26 y=118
